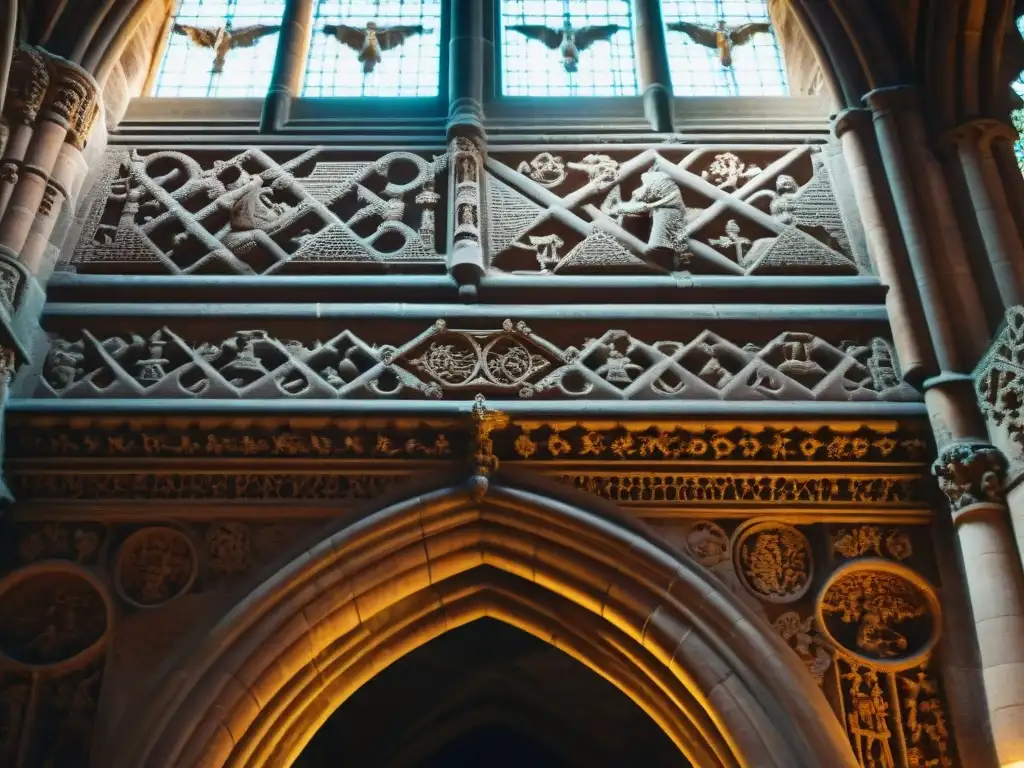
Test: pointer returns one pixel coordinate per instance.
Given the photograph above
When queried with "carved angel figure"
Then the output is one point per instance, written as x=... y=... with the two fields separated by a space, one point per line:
x=722 y=38
x=224 y=39
x=369 y=42
x=567 y=40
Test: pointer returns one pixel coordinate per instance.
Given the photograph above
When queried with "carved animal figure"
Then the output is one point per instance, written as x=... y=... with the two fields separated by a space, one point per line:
x=369 y=42
x=722 y=38
x=224 y=39
x=567 y=40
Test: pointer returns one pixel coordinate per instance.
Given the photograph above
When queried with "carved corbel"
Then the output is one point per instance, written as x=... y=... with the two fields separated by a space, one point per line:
x=486 y=420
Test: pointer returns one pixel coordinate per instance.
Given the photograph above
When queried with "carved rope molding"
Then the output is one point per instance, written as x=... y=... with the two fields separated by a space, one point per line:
x=287 y=211
x=442 y=362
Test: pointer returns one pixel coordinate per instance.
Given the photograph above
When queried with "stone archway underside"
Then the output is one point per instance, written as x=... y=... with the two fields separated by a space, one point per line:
x=724 y=689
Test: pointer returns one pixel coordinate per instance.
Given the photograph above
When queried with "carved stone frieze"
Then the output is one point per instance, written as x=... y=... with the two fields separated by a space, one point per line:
x=970 y=473
x=222 y=485
x=803 y=637
x=442 y=361
x=154 y=566
x=51 y=615
x=260 y=212
x=666 y=209
x=774 y=561
x=881 y=614
x=999 y=384
x=647 y=487
x=56 y=541
x=871 y=540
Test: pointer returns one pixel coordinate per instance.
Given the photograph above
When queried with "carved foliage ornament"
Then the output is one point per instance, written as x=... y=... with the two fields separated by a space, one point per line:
x=880 y=613
x=870 y=540
x=773 y=561
x=970 y=473
x=513 y=359
x=803 y=637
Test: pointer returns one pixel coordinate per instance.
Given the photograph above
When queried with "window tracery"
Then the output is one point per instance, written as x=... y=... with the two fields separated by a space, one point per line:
x=1017 y=115
x=375 y=48
x=221 y=49
x=723 y=48
x=567 y=48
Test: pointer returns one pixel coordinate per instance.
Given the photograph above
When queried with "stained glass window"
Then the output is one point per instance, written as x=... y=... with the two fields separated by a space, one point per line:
x=221 y=48
x=567 y=48
x=401 y=56
x=712 y=51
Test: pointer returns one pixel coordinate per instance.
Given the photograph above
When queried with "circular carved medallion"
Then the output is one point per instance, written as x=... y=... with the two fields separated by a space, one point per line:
x=880 y=613
x=773 y=561
x=707 y=543
x=51 y=614
x=155 y=565
x=229 y=547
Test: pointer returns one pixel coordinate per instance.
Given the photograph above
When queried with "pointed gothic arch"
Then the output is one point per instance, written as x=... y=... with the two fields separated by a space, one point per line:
x=574 y=573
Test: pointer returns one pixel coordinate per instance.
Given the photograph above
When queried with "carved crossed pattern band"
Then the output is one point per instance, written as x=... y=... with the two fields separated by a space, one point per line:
x=443 y=362
x=333 y=210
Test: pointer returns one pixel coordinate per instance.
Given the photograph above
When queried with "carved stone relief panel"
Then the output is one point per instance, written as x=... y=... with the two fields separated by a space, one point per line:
x=262 y=212
x=441 y=361
x=712 y=210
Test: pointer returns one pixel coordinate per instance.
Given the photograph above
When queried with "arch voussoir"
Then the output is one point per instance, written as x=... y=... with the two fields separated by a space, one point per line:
x=660 y=630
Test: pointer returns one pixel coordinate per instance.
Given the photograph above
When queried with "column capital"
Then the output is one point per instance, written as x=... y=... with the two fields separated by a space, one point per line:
x=981 y=131
x=63 y=92
x=969 y=473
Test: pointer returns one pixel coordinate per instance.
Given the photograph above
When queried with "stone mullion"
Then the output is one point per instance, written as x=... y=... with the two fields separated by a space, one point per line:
x=652 y=65
x=468 y=54
x=289 y=64
x=468 y=50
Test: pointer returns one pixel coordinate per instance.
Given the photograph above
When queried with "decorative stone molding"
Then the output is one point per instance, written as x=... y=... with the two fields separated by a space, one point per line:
x=27 y=86
x=999 y=385
x=444 y=362
x=971 y=473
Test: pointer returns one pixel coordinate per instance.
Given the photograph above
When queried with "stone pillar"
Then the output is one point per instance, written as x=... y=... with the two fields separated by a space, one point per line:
x=853 y=129
x=970 y=473
x=468 y=54
x=652 y=65
x=972 y=146
x=292 y=52
x=52 y=106
x=887 y=104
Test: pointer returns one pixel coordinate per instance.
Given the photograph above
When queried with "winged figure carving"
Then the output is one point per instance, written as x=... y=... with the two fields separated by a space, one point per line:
x=722 y=38
x=224 y=39
x=369 y=41
x=569 y=41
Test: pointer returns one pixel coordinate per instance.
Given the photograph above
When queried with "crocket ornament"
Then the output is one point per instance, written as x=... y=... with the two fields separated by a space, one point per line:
x=567 y=40
x=722 y=38
x=224 y=39
x=369 y=41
